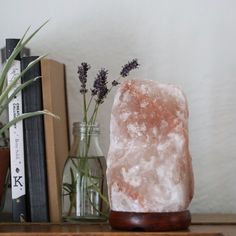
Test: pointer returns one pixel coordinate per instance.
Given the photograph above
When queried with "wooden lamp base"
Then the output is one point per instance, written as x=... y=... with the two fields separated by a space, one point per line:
x=166 y=221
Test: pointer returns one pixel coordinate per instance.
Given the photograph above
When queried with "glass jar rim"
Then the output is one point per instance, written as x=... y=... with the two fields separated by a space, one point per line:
x=83 y=128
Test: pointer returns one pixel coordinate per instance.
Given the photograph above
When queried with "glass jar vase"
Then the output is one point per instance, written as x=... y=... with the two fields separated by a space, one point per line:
x=84 y=186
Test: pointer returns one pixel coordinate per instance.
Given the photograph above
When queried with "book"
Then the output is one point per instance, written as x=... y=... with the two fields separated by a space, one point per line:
x=16 y=140
x=34 y=145
x=56 y=131
x=24 y=52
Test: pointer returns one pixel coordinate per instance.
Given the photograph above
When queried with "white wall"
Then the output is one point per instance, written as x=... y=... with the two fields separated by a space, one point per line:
x=186 y=42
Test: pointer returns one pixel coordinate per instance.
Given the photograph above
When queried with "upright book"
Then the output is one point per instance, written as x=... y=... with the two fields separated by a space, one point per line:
x=16 y=140
x=56 y=131
x=34 y=145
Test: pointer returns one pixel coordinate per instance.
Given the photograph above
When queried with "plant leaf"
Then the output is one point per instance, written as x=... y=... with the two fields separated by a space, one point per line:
x=15 y=52
x=24 y=116
x=14 y=81
x=17 y=90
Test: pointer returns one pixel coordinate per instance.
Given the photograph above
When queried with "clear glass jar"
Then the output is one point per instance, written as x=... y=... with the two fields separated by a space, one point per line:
x=84 y=186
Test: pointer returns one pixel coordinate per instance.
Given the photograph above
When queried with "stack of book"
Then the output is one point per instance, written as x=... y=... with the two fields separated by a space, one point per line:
x=38 y=145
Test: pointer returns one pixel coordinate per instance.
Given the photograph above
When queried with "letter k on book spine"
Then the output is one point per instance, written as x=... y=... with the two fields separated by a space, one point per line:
x=16 y=140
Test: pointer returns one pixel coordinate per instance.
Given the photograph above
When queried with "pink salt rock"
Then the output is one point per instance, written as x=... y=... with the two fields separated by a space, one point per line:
x=149 y=167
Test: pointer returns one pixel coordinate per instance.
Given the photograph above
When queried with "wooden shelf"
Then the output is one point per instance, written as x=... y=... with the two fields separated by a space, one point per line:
x=214 y=219
x=202 y=224
x=105 y=230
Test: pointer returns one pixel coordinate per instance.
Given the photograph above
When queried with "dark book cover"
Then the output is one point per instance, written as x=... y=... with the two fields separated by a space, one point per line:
x=34 y=145
x=16 y=140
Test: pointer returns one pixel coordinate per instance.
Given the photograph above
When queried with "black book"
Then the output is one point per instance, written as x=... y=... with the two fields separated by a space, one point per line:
x=34 y=146
x=16 y=140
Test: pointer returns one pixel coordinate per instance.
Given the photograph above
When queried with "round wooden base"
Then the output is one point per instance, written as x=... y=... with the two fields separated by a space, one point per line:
x=166 y=221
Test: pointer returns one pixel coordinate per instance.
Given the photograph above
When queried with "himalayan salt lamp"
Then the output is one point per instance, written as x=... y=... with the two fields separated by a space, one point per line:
x=149 y=169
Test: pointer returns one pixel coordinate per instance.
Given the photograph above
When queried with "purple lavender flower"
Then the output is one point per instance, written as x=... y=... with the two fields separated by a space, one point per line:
x=102 y=94
x=114 y=83
x=100 y=85
x=82 y=72
x=128 y=67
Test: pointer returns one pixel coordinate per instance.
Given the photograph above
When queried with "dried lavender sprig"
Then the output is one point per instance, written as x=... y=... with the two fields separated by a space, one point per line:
x=125 y=71
x=100 y=85
x=102 y=95
x=100 y=81
x=128 y=67
x=83 y=73
x=100 y=89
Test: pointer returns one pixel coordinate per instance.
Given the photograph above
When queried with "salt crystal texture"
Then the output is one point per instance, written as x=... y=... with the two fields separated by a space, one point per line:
x=149 y=166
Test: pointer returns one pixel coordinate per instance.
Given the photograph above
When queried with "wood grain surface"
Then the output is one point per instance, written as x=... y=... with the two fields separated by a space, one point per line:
x=105 y=230
x=202 y=225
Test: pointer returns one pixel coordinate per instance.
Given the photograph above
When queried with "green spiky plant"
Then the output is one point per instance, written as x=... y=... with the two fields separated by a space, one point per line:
x=5 y=88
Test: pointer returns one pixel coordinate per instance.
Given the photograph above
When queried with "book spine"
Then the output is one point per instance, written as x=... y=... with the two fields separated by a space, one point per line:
x=34 y=145
x=56 y=131
x=16 y=140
